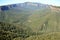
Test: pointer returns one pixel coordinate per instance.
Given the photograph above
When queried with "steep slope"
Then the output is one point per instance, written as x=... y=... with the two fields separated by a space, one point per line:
x=45 y=21
x=45 y=25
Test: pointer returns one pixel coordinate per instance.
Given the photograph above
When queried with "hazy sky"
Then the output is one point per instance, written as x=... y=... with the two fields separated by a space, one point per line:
x=50 y=2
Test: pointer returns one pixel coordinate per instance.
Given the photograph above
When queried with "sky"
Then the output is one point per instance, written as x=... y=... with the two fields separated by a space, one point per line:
x=50 y=2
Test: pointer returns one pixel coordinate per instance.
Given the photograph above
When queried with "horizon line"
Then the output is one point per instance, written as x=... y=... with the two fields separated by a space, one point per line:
x=25 y=2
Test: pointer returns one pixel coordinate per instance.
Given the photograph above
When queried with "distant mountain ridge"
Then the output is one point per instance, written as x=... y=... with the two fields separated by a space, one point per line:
x=25 y=5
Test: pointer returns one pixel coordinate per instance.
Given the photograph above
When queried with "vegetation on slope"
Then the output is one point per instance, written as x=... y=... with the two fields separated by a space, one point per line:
x=22 y=25
x=12 y=31
x=48 y=36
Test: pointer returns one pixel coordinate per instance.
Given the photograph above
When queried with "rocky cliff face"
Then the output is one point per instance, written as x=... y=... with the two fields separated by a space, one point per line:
x=7 y=7
x=26 y=5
